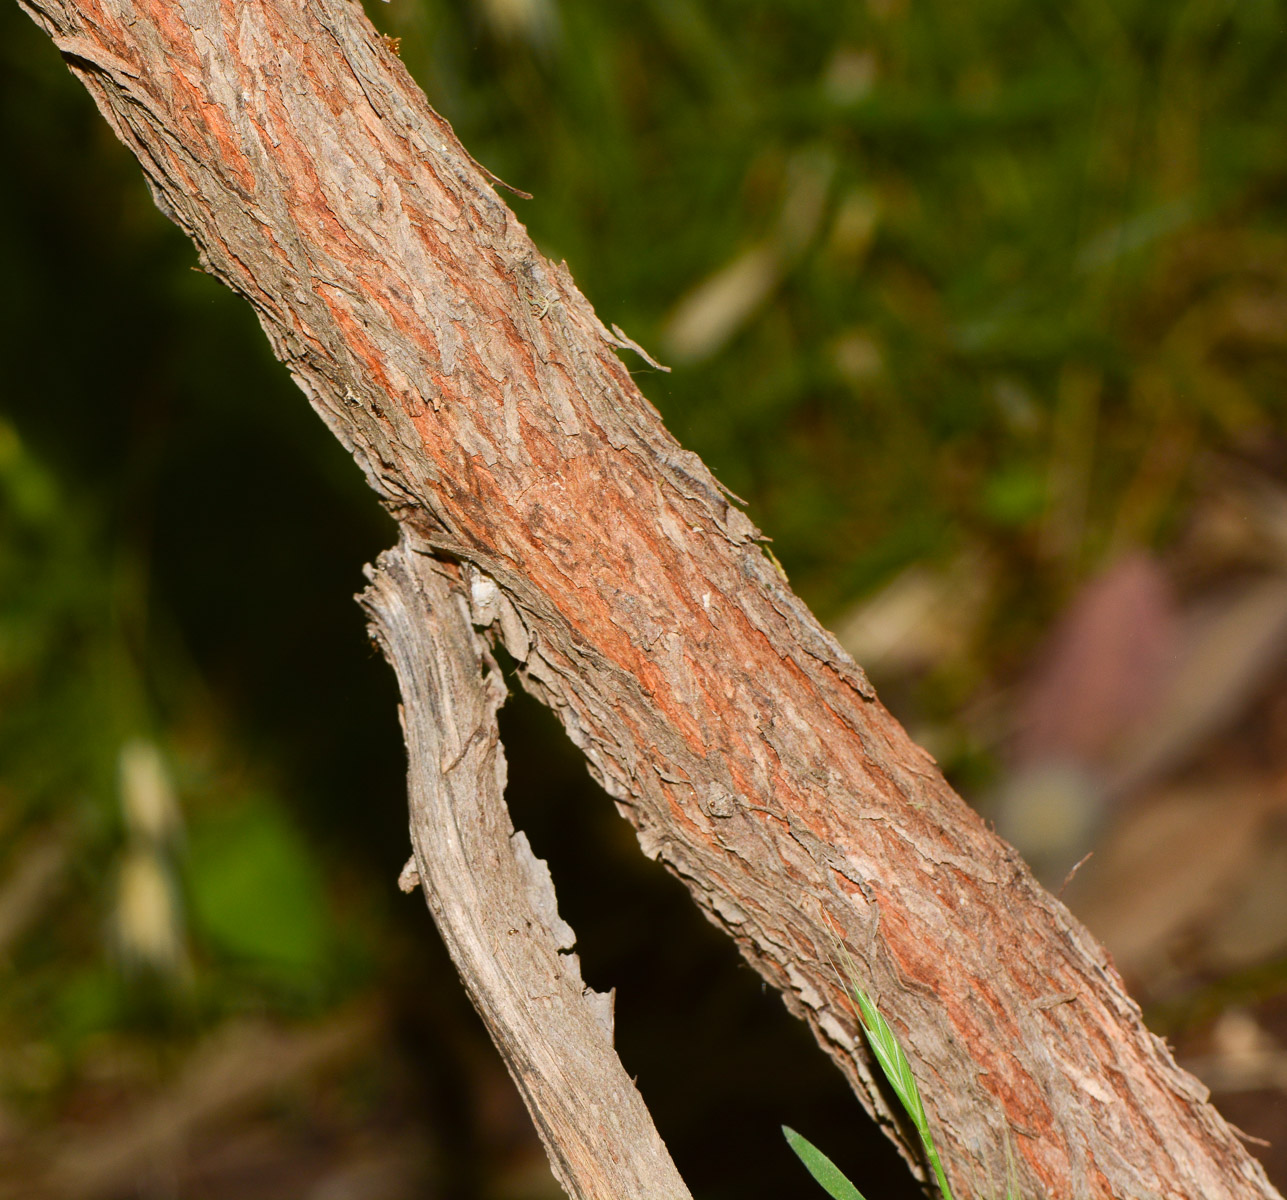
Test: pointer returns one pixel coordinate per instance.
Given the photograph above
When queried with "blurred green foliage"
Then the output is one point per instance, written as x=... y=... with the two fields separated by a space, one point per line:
x=82 y=676
x=982 y=279
x=257 y=893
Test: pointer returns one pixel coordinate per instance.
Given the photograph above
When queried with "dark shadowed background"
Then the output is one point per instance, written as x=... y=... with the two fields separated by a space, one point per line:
x=981 y=306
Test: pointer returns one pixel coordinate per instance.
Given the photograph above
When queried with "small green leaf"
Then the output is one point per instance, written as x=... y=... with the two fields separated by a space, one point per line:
x=256 y=892
x=828 y=1175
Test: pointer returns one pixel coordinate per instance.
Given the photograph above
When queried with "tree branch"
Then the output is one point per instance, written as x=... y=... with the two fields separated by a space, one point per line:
x=494 y=902
x=481 y=395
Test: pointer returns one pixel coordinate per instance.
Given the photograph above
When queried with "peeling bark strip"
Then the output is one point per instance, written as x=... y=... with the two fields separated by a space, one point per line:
x=481 y=395
x=493 y=900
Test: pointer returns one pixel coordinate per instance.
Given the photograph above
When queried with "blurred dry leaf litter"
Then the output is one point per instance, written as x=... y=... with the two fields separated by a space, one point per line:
x=38 y=871
x=148 y=919
x=238 y=1069
x=534 y=21
x=718 y=307
x=147 y=796
x=922 y=617
x=1172 y=863
x=1244 y=1056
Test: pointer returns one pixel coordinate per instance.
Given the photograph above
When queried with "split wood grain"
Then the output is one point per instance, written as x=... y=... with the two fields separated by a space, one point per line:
x=494 y=902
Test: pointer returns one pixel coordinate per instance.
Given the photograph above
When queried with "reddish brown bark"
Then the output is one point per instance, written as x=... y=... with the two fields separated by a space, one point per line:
x=745 y=746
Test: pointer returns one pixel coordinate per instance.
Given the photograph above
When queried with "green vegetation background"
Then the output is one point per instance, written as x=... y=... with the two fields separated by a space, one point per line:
x=936 y=279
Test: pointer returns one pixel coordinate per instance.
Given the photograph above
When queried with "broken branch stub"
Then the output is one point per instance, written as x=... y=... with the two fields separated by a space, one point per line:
x=493 y=900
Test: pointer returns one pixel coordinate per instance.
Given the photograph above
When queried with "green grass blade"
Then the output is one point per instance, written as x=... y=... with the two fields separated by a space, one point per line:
x=829 y=1176
x=936 y=1165
x=889 y=1054
x=893 y=1062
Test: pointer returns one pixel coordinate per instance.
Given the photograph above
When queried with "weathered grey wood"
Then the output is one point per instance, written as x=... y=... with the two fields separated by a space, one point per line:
x=493 y=901
x=477 y=389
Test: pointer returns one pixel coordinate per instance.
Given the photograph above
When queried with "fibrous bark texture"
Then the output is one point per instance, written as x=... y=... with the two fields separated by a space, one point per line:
x=493 y=900
x=485 y=402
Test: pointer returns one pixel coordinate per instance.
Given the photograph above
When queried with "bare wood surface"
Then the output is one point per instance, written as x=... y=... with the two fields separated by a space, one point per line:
x=493 y=901
x=483 y=398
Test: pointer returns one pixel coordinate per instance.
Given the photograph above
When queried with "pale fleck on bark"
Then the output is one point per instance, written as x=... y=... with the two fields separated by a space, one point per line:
x=481 y=395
